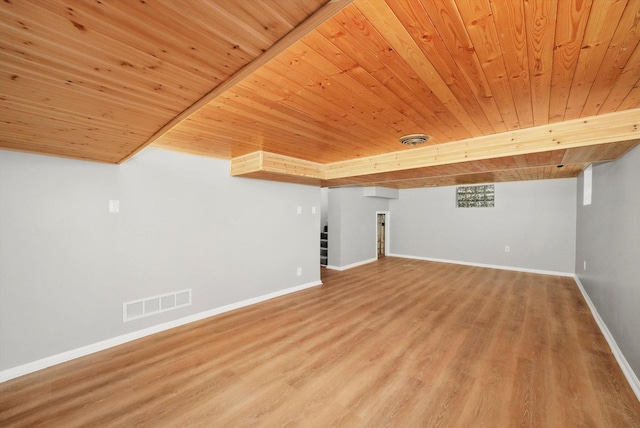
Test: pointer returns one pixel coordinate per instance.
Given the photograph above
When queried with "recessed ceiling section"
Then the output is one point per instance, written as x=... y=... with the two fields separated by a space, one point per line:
x=378 y=70
x=326 y=85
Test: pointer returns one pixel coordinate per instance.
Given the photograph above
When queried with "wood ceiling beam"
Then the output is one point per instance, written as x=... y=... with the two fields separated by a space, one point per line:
x=585 y=132
x=606 y=128
x=307 y=26
x=496 y=176
x=262 y=161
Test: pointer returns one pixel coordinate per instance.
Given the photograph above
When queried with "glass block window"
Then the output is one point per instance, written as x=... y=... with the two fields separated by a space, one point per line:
x=482 y=196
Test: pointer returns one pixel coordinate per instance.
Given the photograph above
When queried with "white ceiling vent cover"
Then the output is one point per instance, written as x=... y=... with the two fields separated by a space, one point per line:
x=414 y=139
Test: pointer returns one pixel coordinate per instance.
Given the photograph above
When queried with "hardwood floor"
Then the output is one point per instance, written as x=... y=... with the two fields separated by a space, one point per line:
x=394 y=343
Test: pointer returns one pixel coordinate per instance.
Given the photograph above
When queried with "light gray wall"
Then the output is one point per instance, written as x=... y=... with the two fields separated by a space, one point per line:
x=324 y=207
x=352 y=225
x=535 y=218
x=67 y=264
x=608 y=239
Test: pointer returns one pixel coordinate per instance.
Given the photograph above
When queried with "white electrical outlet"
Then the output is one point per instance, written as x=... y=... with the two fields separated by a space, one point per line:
x=507 y=248
x=299 y=210
x=299 y=271
x=313 y=209
x=114 y=206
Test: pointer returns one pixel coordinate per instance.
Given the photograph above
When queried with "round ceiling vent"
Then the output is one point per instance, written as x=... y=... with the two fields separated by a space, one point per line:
x=414 y=139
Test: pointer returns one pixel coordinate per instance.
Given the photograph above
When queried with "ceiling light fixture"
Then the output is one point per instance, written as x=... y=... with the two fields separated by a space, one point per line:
x=414 y=139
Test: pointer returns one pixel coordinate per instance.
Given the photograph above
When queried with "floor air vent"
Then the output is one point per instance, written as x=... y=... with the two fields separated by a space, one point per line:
x=154 y=305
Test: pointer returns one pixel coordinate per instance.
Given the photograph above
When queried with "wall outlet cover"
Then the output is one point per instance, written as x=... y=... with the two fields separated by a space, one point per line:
x=114 y=206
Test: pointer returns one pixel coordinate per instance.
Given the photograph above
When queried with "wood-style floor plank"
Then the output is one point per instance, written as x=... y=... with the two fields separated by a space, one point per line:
x=394 y=343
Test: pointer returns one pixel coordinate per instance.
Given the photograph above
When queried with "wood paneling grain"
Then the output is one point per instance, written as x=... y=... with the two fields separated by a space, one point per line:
x=632 y=100
x=445 y=88
x=509 y=20
x=617 y=60
x=261 y=58
x=540 y=17
x=597 y=37
x=571 y=24
x=358 y=37
x=398 y=342
x=137 y=64
x=317 y=80
x=485 y=43
x=623 y=126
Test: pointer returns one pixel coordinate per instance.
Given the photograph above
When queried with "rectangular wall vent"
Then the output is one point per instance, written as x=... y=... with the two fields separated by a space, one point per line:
x=154 y=305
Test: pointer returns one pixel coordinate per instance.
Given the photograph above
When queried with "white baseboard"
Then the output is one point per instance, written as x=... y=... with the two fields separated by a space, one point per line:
x=43 y=363
x=484 y=265
x=632 y=378
x=364 y=262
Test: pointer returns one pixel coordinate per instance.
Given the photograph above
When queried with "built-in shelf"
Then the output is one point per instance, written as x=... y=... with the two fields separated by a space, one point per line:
x=324 y=246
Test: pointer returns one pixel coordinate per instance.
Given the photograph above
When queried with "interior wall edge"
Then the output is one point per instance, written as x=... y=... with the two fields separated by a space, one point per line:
x=43 y=363
x=629 y=374
x=485 y=265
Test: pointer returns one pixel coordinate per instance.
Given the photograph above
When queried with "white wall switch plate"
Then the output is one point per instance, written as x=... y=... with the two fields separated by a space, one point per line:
x=114 y=206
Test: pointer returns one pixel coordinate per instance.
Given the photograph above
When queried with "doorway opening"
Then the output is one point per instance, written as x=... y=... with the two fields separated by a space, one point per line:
x=382 y=230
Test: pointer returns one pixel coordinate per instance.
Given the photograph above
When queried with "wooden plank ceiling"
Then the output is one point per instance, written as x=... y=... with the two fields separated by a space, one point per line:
x=319 y=92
